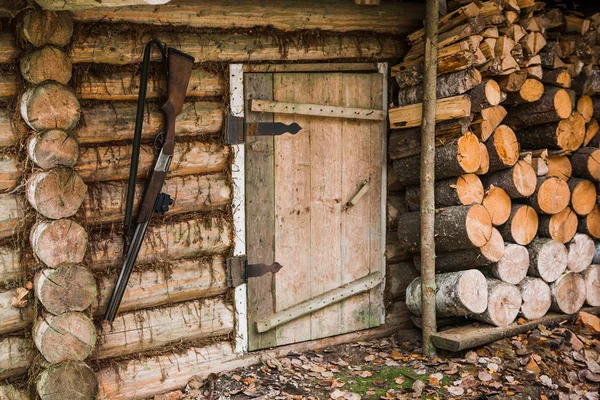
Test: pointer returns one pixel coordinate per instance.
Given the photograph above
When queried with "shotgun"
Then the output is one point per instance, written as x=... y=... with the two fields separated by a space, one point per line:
x=178 y=69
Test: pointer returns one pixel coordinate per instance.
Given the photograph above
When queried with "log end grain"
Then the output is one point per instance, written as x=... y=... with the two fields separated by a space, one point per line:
x=536 y=296
x=50 y=106
x=53 y=148
x=479 y=225
x=469 y=189
x=532 y=90
x=562 y=103
x=560 y=227
x=65 y=337
x=59 y=242
x=581 y=252
x=57 y=193
x=547 y=259
x=592 y=285
x=506 y=146
x=570 y=132
x=503 y=303
x=498 y=204
x=484 y=162
x=583 y=196
x=494 y=249
x=553 y=195
x=524 y=224
x=71 y=380
x=568 y=293
x=46 y=64
x=524 y=178
x=585 y=107
x=590 y=224
x=40 y=27
x=468 y=153
x=559 y=166
x=67 y=288
x=513 y=265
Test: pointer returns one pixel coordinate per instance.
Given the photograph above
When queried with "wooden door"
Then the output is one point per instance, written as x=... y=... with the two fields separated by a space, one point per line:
x=297 y=188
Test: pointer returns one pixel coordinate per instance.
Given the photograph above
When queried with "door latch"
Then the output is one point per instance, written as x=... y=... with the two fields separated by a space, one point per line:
x=237 y=129
x=238 y=270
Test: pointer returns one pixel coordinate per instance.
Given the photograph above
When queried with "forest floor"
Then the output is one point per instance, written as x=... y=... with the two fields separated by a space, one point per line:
x=555 y=362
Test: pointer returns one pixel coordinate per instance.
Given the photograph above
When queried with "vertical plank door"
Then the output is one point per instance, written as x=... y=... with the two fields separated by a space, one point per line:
x=297 y=187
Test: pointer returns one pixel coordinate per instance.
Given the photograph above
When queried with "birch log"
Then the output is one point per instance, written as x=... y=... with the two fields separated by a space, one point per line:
x=536 y=296
x=592 y=285
x=568 y=293
x=57 y=193
x=503 y=303
x=58 y=242
x=66 y=288
x=581 y=252
x=547 y=259
x=513 y=265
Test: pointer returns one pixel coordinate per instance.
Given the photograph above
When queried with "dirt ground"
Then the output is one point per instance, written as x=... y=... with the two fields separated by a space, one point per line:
x=556 y=362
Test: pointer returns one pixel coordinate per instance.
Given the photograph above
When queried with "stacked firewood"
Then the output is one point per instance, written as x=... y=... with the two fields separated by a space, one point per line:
x=517 y=161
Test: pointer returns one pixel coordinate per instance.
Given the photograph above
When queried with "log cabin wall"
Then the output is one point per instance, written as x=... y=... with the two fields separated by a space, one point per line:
x=177 y=316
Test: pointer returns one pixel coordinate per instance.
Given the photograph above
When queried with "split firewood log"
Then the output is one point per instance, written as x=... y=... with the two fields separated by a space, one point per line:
x=554 y=105
x=59 y=242
x=547 y=259
x=486 y=94
x=518 y=182
x=50 y=106
x=464 y=190
x=57 y=193
x=522 y=225
x=66 y=337
x=583 y=195
x=586 y=163
x=66 y=288
x=568 y=293
x=458 y=227
x=512 y=82
x=71 y=380
x=552 y=195
x=448 y=85
x=590 y=224
x=458 y=294
x=503 y=149
x=560 y=227
x=40 y=27
x=498 y=204
x=559 y=166
x=53 y=148
x=446 y=109
x=503 y=303
x=486 y=121
x=536 y=297
x=565 y=134
x=581 y=252
x=592 y=285
x=46 y=64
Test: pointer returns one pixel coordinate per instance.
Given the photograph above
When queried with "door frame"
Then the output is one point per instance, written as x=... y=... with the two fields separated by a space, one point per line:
x=236 y=108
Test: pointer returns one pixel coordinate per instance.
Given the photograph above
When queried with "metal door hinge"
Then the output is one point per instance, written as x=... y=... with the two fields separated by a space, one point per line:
x=237 y=129
x=238 y=270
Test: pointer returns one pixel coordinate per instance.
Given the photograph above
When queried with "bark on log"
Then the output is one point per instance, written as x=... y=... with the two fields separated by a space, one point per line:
x=59 y=242
x=484 y=163
x=115 y=121
x=10 y=392
x=112 y=162
x=190 y=321
x=105 y=202
x=512 y=82
x=16 y=354
x=66 y=337
x=10 y=172
x=498 y=204
x=547 y=259
x=448 y=108
x=10 y=264
x=127 y=48
x=190 y=238
x=458 y=294
x=57 y=193
x=559 y=166
x=394 y=251
x=46 y=64
x=67 y=288
x=454 y=159
x=590 y=224
x=53 y=148
x=447 y=85
x=557 y=77
x=592 y=285
x=554 y=105
x=40 y=27
x=568 y=293
x=504 y=303
x=8 y=135
x=13 y=319
x=560 y=227
x=531 y=90
x=486 y=122
x=71 y=380
x=581 y=252
x=458 y=227
x=486 y=94
x=536 y=297
x=583 y=195
x=592 y=139
x=503 y=148
x=566 y=134
x=464 y=190
x=552 y=195
x=518 y=182
x=395 y=206
x=13 y=212
x=50 y=106
x=513 y=265
x=586 y=163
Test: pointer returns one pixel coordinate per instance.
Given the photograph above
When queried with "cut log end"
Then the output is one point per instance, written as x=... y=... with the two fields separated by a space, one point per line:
x=581 y=252
x=553 y=195
x=71 y=380
x=57 y=193
x=592 y=285
x=536 y=297
x=53 y=148
x=547 y=259
x=59 y=242
x=524 y=223
x=504 y=303
x=583 y=196
x=479 y=225
x=560 y=227
x=494 y=249
x=568 y=293
x=471 y=286
x=50 y=106
x=585 y=107
x=559 y=166
x=46 y=64
x=67 y=288
x=571 y=132
x=503 y=148
x=524 y=178
x=468 y=153
x=590 y=224
x=563 y=104
x=513 y=265
x=532 y=90
x=469 y=189
x=484 y=162
x=65 y=337
x=498 y=204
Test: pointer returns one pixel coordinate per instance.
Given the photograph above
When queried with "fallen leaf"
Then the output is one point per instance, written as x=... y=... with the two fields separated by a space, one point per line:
x=364 y=374
x=379 y=382
x=484 y=376
x=590 y=321
x=19 y=300
x=456 y=391
x=532 y=367
x=396 y=355
x=546 y=381
x=399 y=380
x=435 y=379
x=369 y=358
x=471 y=357
x=418 y=387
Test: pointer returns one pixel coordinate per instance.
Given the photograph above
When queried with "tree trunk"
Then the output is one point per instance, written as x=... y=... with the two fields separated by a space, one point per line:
x=73 y=381
x=486 y=122
x=547 y=259
x=592 y=285
x=566 y=134
x=513 y=265
x=458 y=227
x=503 y=148
x=57 y=193
x=504 y=303
x=486 y=94
x=583 y=195
x=13 y=212
x=458 y=294
x=186 y=322
x=560 y=227
x=586 y=163
x=552 y=195
x=46 y=64
x=454 y=159
x=112 y=162
x=50 y=106
x=59 y=242
x=67 y=288
x=568 y=293
x=590 y=224
x=559 y=166
x=498 y=204
x=464 y=190
x=41 y=28
x=518 y=182
x=65 y=337
x=448 y=85
x=554 y=105
x=53 y=148
x=581 y=252
x=484 y=163
x=536 y=296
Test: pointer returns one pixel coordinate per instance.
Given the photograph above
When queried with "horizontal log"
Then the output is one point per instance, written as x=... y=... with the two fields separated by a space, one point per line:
x=10 y=263
x=10 y=392
x=13 y=319
x=107 y=163
x=172 y=241
x=11 y=218
x=57 y=5
x=10 y=172
x=392 y=17
x=128 y=47
x=16 y=354
x=398 y=277
x=105 y=202
x=8 y=135
x=446 y=109
x=193 y=320
x=8 y=48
